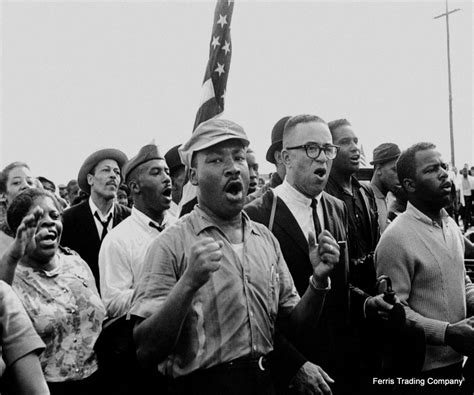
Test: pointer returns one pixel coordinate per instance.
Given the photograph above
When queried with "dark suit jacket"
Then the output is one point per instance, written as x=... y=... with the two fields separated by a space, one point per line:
x=80 y=233
x=327 y=345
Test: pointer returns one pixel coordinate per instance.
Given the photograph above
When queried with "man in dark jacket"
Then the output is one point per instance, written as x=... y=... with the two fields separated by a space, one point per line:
x=294 y=210
x=86 y=224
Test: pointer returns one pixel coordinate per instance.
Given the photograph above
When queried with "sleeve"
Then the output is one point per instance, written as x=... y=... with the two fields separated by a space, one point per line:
x=159 y=275
x=116 y=276
x=19 y=338
x=393 y=259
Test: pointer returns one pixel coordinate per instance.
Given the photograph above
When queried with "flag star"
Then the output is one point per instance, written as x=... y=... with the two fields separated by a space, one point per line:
x=223 y=95
x=219 y=69
x=226 y=47
x=215 y=42
x=222 y=20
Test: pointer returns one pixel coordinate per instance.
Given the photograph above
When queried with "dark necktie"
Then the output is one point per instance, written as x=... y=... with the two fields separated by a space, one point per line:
x=157 y=227
x=105 y=224
x=317 y=225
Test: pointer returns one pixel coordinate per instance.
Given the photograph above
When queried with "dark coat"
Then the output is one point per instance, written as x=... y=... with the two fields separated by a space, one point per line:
x=328 y=344
x=80 y=233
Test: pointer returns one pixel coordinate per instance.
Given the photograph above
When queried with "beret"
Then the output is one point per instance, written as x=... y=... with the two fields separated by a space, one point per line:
x=146 y=153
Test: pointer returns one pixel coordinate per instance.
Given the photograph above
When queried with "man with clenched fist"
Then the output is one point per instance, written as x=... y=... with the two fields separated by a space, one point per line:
x=214 y=284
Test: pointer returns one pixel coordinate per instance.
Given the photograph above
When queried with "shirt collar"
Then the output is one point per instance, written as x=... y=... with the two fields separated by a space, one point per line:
x=295 y=195
x=413 y=211
x=94 y=209
x=145 y=220
x=202 y=221
x=377 y=193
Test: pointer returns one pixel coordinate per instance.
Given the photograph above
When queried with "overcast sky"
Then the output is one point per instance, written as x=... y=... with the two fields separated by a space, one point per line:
x=78 y=76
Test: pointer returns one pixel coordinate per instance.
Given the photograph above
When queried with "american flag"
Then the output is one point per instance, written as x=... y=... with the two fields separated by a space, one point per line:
x=363 y=159
x=217 y=70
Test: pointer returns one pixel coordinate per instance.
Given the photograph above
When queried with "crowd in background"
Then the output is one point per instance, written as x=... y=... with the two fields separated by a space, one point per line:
x=188 y=272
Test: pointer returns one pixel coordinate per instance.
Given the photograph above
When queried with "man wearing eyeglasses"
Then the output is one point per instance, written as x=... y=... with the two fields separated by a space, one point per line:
x=297 y=211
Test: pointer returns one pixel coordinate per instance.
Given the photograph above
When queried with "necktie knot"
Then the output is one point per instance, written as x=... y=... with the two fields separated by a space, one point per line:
x=155 y=226
x=105 y=224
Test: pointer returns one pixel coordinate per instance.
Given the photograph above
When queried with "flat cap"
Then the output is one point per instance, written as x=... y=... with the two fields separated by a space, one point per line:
x=93 y=159
x=173 y=160
x=385 y=152
x=147 y=152
x=277 y=138
x=209 y=133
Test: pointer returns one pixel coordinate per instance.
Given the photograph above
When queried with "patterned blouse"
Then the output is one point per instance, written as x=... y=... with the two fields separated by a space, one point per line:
x=66 y=311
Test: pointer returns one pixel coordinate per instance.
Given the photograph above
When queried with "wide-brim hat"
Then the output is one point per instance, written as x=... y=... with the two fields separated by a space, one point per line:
x=277 y=139
x=93 y=159
x=173 y=160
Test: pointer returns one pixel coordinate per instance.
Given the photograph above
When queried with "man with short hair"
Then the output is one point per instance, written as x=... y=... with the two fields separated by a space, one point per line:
x=121 y=257
x=384 y=181
x=300 y=207
x=423 y=254
x=73 y=191
x=86 y=224
x=467 y=185
x=253 y=170
x=214 y=284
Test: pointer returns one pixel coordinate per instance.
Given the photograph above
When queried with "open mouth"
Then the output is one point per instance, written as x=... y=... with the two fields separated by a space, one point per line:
x=167 y=192
x=446 y=186
x=320 y=172
x=234 y=190
x=355 y=158
x=47 y=238
x=112 y=183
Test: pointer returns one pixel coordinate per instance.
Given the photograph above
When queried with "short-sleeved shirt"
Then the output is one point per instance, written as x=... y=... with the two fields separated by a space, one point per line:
x=18 y=337
x=67 y=313
x=233 y=314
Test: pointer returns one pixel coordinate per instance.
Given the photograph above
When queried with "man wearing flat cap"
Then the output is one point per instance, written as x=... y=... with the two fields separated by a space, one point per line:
x=384 y=181
x=121 y=258
x=86 y=224
x=213 y=284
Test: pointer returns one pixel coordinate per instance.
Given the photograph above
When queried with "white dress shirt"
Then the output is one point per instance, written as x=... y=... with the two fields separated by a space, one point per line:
x=300 y=206
x=121 y=258
x=103 y=218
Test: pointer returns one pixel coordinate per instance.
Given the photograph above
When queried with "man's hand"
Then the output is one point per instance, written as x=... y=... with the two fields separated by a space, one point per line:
x=460 y=336
x=24 y=235
x=311 y=379
x=377 y=305
x=204 y=259
x=323 y=256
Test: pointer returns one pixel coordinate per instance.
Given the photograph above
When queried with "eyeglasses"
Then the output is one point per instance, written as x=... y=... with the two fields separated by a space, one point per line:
x=314 y=150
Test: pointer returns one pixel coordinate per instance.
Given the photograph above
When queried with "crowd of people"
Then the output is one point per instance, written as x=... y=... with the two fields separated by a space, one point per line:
x=185 y=273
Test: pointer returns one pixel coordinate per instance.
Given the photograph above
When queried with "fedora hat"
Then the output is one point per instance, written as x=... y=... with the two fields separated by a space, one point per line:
x=277 y=138
x=93 y=159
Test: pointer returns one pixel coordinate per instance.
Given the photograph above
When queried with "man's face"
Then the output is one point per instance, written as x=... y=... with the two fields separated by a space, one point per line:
x=154 y=184
x=309 y=176
x=122 y=197
x=177 y=184
x=72 y=192
x=63 y=192
x=19 y=179
x=464 y=172
x=431 y=184
x=105 y=179
x=222 y=177
x=347 y=160
x=387 y=174
x=253 y=171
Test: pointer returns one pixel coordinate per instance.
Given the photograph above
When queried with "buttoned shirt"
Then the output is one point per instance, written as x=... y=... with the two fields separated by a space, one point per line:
x=121 y=258
x=425 y=262
x=67 y=313
x=300 y=206
x=99 y=226
x=233 y=314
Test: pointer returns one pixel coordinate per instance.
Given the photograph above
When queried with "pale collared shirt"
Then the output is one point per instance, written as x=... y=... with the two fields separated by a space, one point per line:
x=382 y=202
x=103 y=218
x=300 y=206
x=121 y=258
x=174 y=209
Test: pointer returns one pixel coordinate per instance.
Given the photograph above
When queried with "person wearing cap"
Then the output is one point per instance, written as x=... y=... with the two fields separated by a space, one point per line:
x=384 y=180
x=121 y=258
x=298 y=207
x=178 y=178
x=86 y=224
x=423 y=254
x=273 y=156
x=213 y=284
